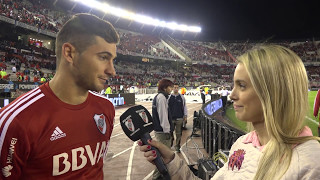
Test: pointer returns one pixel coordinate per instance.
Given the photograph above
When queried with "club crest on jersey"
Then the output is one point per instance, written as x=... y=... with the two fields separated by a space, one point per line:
x=100 y=120
x=129 y=125
x=144 y=117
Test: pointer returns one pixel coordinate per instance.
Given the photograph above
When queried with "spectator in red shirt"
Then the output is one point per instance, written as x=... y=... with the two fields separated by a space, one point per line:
x=35 y=79
x=27 y=78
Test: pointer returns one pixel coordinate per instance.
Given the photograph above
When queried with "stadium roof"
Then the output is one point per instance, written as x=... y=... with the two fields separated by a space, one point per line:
x=237 y=19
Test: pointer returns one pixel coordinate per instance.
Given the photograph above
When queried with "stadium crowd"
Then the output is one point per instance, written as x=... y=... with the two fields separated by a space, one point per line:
x=39 y=60
x=42 y=16
x=131 y=42
x=211 y=53
x=33 y=13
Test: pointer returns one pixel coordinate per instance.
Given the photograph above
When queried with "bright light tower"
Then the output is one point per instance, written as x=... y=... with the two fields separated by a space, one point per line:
x=122 y=13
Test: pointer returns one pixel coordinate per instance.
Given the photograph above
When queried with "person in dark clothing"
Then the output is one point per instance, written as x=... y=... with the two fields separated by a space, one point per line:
x=203 y=95
x=178 y=109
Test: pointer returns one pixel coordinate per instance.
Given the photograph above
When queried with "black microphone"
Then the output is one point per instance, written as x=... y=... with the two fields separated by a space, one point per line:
x=136 y=123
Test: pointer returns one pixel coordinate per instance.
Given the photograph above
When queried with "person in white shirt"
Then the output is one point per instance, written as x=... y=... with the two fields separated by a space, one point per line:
x=14 y=69
x=224 y=96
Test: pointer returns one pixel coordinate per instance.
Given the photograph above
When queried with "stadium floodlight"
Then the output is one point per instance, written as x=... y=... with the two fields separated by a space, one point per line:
x=172 y=25
x=106 y=8
x=90 y=3
x=183 y=27
x=194 y=29
x=121 y=13
x=145 y=20
x=156 y=22
x=162 y=24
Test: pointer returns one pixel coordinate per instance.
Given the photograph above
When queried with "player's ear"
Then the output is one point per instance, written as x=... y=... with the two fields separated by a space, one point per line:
x=68 y=52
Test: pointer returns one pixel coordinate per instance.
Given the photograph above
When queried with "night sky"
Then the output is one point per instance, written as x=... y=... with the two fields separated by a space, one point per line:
x=236 y=20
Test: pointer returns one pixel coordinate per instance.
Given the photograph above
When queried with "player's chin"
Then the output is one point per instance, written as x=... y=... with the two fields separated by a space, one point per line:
x=101 y=87
x=98 y=87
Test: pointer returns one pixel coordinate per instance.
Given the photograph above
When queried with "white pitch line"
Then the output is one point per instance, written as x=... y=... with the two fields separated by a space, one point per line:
x=117 y=135
x=183 y=154
x=312 y=120
x=125 y=150
x=130 y=160
x=121 y=152
x=148 y=176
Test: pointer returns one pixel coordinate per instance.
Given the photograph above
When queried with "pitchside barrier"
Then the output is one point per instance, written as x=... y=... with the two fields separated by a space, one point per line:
x=217 y=137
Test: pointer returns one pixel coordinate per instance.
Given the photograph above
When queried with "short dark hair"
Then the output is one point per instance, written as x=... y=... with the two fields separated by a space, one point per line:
x=163 y=84
x=80 y=31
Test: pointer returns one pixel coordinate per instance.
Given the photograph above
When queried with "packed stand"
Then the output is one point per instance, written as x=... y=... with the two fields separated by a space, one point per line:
x=215 y=53
x=33 y=13
x=205 y=52
x=143 y=74
x=24 y=64
x=129 y=73
x=148 y=74
x=133 y=43
x=308 y=51
x=313 y=76
x=33 y=59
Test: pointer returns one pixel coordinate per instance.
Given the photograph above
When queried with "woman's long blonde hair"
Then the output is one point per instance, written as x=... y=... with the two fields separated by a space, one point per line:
x=280 y=80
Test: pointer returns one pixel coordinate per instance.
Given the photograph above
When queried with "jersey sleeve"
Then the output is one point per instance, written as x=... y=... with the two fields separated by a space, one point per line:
x=15 y=149
x=112 y=120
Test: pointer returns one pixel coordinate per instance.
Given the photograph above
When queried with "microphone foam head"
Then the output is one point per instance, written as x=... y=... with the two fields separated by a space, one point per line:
x=136 y=121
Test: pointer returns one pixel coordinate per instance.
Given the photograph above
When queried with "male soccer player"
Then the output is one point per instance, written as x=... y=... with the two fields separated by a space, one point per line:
x=61 y=129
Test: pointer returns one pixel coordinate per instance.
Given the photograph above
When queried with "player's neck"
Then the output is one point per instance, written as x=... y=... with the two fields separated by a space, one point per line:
x=67 y=90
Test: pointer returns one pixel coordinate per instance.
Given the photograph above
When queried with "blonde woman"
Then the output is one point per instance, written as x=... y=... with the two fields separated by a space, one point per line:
x=271 y=94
